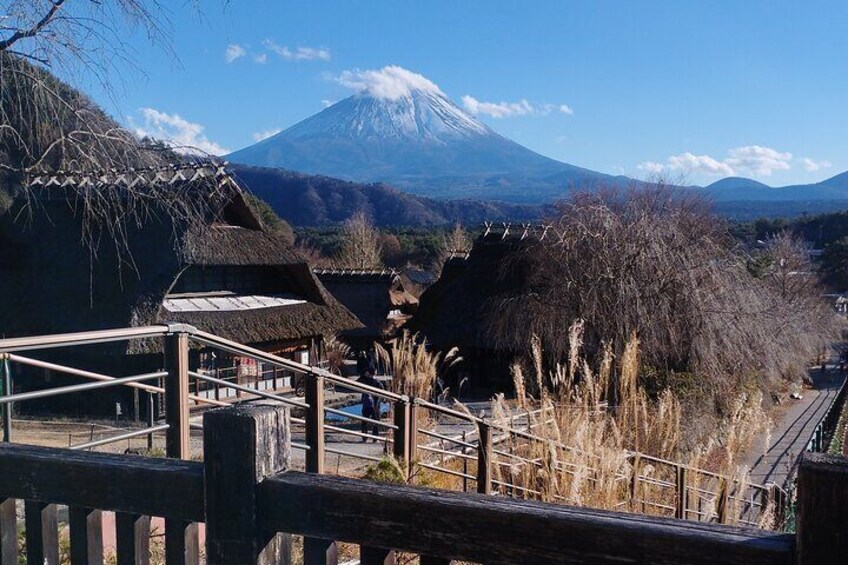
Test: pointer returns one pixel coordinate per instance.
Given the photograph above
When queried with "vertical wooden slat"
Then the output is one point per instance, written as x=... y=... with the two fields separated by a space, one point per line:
x=242 y=446
x=86 y=533
x=132 y=539
x=42 y=533
x=376 y=556
x=176 y=396
x=822 y=515
x=8 y=531
x=316 y=551
x=484 y=459
x=182 y=543
x=723 y=509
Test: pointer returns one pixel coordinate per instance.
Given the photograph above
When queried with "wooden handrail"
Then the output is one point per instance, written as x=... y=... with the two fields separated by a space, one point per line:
x=106 y=481
x=482 y=528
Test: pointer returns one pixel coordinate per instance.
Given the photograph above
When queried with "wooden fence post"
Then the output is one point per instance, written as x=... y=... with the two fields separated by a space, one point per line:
x=634 y=482
x=413 y=431
x=42 y=533
x=401 y=434
x=723 y=506
x=485 y=452
x=8 y=531
x=682 y=499
x=822 y=512
x=316 y=551
x=176 y=396
x=181 y=539
x=242 y=446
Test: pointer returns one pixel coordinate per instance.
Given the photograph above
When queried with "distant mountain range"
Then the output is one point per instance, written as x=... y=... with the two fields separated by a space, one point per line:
x=424 y=144
x=316 y=201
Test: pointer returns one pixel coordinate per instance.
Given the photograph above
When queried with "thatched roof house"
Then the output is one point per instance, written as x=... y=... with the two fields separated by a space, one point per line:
x=377 y=297
x=461 y=307
x=230 y=277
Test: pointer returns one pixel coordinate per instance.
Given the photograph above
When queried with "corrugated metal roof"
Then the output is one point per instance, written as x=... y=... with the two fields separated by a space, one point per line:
x=228 y=303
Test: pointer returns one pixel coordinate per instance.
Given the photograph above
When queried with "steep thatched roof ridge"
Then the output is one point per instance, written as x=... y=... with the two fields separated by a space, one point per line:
x=456 y=310
x=236 y=245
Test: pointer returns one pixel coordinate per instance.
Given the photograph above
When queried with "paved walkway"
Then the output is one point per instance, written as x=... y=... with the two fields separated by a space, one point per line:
x=793 y=429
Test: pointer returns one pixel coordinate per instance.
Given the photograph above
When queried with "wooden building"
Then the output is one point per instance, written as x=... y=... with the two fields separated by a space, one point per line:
x=230 y=277
x=460 y=308
x=378 y=298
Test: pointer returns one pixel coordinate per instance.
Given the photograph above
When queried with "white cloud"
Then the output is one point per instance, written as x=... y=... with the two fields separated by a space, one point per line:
x=508 y=109
x=497 y=109
x=298 y=53
x=753 y=160
x=260 y=135
x=184 y=136
x=758 y=160
x=326 y=103
x=261 y=59
x=391 y=82
x=812 y=165
x=234 y=51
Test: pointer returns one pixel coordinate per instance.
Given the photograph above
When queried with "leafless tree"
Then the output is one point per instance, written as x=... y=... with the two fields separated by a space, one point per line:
x=455 y=241
x=360 y=246
x=657 y=263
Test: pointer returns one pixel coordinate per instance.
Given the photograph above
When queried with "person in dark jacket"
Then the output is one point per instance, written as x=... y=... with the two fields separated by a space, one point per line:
x=370 y=404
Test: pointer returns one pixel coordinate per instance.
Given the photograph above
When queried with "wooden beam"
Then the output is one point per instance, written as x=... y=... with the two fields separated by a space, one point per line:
x=86 y=536
x=42 y=533
x=151 y=486
x=822 y=512
x=242 y=446
x=505 y=531
x=401 y=433
x=177 y=443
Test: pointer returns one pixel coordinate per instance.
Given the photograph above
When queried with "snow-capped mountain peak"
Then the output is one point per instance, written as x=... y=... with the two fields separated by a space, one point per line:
x=417 y=115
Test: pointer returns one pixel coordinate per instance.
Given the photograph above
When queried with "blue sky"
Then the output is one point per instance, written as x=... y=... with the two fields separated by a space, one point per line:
x=696 y=89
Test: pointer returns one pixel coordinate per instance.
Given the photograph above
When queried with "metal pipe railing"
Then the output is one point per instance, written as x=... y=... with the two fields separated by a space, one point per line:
x=121 y=437
x=9 y=345
x=47 y=393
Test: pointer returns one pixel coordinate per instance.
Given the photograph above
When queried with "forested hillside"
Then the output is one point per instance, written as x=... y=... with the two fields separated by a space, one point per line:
x=315 y=201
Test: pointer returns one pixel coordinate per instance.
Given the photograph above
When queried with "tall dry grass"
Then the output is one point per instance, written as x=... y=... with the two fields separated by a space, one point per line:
x=413 y=367
x=596 y=447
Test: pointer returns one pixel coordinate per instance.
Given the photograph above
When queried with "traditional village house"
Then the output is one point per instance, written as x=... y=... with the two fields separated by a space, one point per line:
x=230 y=277
x=461 y=307
x=377 y=297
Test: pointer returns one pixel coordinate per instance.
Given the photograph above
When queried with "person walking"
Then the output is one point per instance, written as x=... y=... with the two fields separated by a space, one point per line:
x=370 y=405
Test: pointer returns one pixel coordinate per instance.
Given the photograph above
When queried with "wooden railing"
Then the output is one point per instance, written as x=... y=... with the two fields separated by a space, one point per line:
x=477 y=452
x=251 y=504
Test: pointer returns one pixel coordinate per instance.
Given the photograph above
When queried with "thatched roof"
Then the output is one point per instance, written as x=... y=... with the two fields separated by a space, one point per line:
x=53 y=281
x=458 y=309
x=377 y=297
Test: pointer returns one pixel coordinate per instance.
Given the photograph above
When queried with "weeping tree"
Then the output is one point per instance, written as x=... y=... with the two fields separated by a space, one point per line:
x=47 y=125
x=658 y=264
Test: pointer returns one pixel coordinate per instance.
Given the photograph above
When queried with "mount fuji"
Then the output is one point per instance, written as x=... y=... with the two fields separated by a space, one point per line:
x=406 y=132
